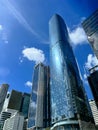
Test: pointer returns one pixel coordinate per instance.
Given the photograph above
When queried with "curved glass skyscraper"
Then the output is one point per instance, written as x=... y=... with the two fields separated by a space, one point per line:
x=69 y=103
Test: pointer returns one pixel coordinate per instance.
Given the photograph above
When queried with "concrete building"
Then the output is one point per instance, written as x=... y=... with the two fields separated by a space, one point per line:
x=94 y=111
x=3 y=93
x=5 y=115
x=15 y=122
x=17 y=101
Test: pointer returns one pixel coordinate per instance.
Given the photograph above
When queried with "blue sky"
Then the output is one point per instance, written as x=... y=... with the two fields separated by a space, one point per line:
x=24 y=37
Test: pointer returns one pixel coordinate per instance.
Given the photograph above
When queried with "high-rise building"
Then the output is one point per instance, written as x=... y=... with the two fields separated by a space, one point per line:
x=5 y=115
x=15 y=122
x=25 y=104
x=94 y=111
x=3 y=93
x=15 y=100
x=39 y=108
x=25 y=124
x=93 y=82
x=6 y=102
x=70 y=107
x=90 y=26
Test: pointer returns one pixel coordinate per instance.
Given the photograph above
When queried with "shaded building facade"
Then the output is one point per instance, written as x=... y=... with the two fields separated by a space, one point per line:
x=15 y=100
x=39 y=109
x=70 y=107
x=93 y=82
x=90 y=26
x=3 y=93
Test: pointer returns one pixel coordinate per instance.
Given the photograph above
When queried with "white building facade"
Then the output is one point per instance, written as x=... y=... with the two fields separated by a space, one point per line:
x=94 y=111
x=15 y=122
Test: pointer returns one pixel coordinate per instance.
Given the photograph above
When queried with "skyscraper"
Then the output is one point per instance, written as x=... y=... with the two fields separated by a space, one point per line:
x=90 y=26
x=39 y=111
x=25 y=104
x=93 y=82
x=3 y=93
x=70 y=107
x=15 y=100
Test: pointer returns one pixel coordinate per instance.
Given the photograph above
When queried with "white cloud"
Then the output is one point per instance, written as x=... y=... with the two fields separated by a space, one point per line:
x=1 y=27
x=20 y=59
x=3 y=34
x=91 y=61
x=33 y=54
x=4 y=37
x=82 y=19
x=85 y=76
x=85 y=79
x=29 y=84
x=21 y=19
x=77 y=36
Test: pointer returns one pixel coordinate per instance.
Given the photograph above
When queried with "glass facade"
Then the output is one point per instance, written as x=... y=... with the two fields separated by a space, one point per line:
x=25 y=104
x=39 y=101
x=93 y=82
x=33 y=100
x=90 y=26
x=67 y=93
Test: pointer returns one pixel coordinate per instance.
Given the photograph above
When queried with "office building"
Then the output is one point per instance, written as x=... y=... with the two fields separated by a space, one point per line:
x=6 y=102
x=15 y=100
x=93 y=82
x=70 y=107
x=90 y=26
x=3 y=93
x=15 y=122
x=39 y=109
x=94 y=111
x=5 y=115
x=25 y=104
x=25 y=124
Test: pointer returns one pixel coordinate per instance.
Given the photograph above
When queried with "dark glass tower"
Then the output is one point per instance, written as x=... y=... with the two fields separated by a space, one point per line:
x=15 y=100
x=25 y=104
x=39 y=108
x=90 y=26
x=93 y=82
x=69 y=102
